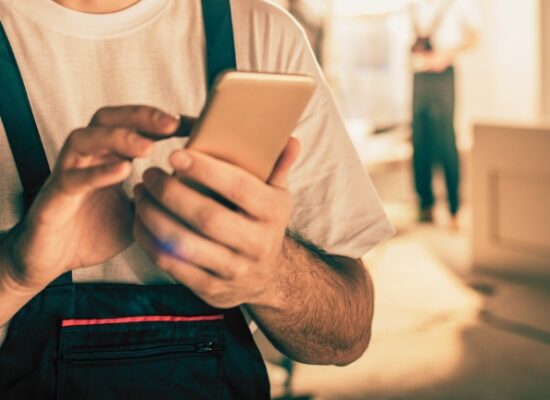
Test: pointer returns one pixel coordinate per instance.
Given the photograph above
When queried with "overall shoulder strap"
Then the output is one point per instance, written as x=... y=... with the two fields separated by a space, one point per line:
x=440 y=15
x=20 y=126
x=22 y=132
x=220 y=44
x=16 y=114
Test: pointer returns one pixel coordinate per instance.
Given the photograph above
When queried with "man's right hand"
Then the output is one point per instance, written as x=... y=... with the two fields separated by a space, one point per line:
x=82 y=217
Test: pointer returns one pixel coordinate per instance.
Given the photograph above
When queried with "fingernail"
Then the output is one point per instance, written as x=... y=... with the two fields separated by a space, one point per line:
x=182 y=160
x=170 y=119
x=166 y=119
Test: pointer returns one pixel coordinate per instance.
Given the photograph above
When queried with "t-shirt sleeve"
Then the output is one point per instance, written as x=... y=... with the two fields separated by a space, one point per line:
x=471 y=15
x=335 y=203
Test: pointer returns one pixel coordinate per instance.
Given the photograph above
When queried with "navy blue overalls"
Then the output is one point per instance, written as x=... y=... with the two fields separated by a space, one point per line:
x=120 y=341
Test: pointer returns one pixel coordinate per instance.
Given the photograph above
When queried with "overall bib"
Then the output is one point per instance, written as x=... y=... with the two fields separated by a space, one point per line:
x=120 y=341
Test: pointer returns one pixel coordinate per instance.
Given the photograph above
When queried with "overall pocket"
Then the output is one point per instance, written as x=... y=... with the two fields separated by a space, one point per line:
x=163 y=357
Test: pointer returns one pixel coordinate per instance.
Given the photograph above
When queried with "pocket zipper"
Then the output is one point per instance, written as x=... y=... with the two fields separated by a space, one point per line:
x=200 y=348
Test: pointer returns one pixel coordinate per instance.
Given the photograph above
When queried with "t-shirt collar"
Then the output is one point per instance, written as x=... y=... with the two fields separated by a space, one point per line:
x=76 y=23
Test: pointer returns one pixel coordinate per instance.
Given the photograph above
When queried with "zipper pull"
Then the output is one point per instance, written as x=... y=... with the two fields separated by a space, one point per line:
x=204 y=347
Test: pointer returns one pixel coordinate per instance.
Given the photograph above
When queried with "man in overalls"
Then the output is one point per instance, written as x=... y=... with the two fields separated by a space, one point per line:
x=119 y=281
x=443 y=30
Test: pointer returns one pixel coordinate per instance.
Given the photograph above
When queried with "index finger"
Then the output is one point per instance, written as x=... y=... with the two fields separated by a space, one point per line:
x=145 y=119
x=232 y=183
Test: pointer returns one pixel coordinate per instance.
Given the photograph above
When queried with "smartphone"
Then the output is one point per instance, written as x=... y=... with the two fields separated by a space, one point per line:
x=249 y=117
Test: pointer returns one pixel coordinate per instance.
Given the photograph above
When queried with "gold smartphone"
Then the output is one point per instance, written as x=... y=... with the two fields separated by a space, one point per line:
x=249 y=117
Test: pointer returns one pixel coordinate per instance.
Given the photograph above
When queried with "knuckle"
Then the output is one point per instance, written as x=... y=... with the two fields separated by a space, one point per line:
x=239 y=189
x=138 y=112
x=229 y=271
x=119 y=132
x=210 y=289
x=207 y=219
x=74 y=136
x=260 y=247
x=237 y=271
x=185 y=249
x=136 y=109
x=100 y=115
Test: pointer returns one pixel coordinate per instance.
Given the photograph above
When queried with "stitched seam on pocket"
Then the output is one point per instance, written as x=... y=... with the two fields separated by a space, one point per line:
x=140 y=319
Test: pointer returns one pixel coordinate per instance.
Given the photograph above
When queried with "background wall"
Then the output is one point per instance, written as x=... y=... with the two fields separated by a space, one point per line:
x=501 y=78
x=507 y=76
x=545 y=30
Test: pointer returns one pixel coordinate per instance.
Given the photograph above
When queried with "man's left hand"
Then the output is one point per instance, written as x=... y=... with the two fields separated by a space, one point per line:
x=227 y=257
x=438 y=61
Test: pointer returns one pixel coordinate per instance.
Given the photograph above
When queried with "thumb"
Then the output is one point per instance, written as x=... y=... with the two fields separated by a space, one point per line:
x=279 y=175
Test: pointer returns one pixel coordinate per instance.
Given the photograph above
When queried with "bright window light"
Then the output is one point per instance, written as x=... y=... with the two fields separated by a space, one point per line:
x=355 y=8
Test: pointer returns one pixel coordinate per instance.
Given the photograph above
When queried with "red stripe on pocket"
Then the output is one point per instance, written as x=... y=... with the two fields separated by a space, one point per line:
x=146 y=318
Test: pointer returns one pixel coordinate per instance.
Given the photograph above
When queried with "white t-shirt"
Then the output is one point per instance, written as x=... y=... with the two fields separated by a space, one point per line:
x=459 y=18
x=153 y=53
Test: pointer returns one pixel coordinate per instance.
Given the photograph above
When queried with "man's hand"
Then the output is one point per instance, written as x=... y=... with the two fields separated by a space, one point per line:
x=438 y=61
x=227 y=257
x=315 y=307
x=82 y=217
x=433 y=61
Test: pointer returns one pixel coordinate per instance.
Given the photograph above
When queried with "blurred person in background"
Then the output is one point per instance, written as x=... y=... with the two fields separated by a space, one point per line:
x=443 y=30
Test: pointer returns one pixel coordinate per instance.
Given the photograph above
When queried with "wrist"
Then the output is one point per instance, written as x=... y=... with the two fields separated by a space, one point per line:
x=13 y=295
x=275 y=293
x=285 y=289
x=12 y=269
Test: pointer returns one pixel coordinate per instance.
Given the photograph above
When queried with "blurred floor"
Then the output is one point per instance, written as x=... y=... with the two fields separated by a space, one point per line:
x=442 y=330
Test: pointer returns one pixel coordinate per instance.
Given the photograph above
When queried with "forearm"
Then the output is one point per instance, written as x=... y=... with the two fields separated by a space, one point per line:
x=13 y=296
x=471 y=40
x=323 y=309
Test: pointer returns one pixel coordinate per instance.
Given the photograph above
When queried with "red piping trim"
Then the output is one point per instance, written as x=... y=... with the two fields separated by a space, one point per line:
x=148 y=318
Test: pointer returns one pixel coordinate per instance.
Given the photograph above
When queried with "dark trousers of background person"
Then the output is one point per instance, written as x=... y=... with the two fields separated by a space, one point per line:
x=434 y=136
